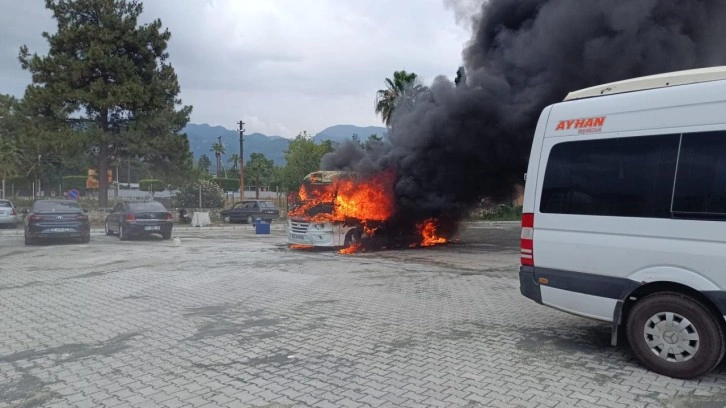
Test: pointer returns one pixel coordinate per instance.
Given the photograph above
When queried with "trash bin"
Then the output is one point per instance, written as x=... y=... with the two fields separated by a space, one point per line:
x=261 y=227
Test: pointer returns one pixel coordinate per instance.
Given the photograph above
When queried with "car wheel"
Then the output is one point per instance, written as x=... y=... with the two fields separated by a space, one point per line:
x=250 y=220
x=14 y=226
x=122 y=234
x=29 y=241
x=86 y=240
x=352 y=237
x=108 y=230
x=166 y=235
x=675 y=335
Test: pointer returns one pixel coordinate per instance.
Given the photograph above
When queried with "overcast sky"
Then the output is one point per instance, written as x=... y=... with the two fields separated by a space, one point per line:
x=280 y=65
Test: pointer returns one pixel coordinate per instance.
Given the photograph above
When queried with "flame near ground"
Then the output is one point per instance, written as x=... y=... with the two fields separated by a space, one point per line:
x=365 y=201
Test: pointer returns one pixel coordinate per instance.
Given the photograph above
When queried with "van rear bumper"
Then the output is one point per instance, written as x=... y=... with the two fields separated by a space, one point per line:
x=528 y=286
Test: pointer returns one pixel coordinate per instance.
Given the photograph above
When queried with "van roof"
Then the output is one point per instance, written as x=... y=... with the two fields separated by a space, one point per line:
x=690 y=76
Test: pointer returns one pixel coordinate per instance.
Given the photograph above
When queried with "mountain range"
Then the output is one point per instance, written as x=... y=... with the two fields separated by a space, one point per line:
x=203 y=136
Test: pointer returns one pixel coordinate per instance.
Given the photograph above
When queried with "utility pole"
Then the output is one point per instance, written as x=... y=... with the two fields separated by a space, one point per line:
x=39 y=156
x=241 y=160
x=219 y=157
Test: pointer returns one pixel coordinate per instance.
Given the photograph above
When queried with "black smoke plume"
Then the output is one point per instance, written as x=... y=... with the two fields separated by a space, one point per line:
x=461 y=143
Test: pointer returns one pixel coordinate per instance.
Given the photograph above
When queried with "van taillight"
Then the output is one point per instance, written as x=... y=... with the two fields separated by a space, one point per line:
x=130 y=217
x=12 y=212
x=527 y=241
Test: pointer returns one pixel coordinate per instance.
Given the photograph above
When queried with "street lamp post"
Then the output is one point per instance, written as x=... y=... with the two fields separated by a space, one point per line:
x=241 y=160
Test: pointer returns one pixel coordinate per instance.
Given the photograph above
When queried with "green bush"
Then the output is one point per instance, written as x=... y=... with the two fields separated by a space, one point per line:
x=227 y=184
x=19 y=180
x=151 y=185
x=503 y=212
x=188 y=196
x=77 y=182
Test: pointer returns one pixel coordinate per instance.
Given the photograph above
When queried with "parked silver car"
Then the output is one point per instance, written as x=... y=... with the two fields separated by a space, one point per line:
x=8 y=214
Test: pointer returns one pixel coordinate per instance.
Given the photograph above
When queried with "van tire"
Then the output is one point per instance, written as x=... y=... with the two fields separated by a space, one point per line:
x=655 y=308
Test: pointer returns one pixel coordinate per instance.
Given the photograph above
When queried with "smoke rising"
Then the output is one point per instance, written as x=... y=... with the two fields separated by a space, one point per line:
x=458 y=144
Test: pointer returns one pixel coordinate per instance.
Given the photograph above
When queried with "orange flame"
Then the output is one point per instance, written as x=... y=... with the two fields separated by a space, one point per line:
x=429 y=236
x=369 y=199
x=300 y=246
x=351 y=249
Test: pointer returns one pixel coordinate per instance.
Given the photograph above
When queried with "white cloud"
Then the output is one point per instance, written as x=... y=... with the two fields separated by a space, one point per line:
x=281 y=65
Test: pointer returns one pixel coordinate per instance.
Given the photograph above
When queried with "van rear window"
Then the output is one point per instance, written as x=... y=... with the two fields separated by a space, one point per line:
x=624 y=177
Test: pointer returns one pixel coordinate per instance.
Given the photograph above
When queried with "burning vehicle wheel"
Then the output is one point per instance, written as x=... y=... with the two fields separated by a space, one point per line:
x=352 y=237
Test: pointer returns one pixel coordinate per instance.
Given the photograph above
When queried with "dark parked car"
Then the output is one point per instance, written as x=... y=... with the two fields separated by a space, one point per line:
x=129 y=218
x=249 y=210
x=53 y=219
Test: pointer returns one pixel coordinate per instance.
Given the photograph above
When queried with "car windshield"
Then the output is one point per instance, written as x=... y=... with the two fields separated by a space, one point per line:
x=56 y=206
x=5 y=204
x=146 y=206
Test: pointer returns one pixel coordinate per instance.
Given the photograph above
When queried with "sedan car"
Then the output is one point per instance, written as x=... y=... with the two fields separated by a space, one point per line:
x=248 y=211
x=8 y=214
x=55 y=219
x=135 y=218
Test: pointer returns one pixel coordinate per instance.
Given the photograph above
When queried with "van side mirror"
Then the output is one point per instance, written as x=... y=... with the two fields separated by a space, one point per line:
x=24 y=211
x=85 y=210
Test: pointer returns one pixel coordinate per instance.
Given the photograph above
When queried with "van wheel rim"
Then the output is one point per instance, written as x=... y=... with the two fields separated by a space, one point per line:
x=671 y=337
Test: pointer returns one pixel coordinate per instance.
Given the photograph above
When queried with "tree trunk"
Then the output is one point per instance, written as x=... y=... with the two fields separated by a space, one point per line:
x=103 y=162
x=102 y=182
x=3 y=188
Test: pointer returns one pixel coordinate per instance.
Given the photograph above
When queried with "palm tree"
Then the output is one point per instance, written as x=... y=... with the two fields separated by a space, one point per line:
x=204 y=163
x=401 y=91
x=218 y=149
x=234 y=159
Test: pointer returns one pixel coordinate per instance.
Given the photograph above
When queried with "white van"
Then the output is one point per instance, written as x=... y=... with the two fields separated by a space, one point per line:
x=624 y=215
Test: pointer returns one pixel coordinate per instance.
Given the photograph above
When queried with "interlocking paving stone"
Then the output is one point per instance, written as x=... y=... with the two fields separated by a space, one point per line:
x=234 y=319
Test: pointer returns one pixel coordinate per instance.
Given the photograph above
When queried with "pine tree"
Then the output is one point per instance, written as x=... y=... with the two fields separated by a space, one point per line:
x=108 y=78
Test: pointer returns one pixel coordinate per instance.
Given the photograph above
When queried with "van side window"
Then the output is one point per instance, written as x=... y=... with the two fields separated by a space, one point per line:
x=621 y=177
x=700 y=188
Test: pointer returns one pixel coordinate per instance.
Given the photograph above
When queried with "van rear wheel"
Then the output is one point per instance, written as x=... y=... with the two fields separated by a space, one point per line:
x=675 y=335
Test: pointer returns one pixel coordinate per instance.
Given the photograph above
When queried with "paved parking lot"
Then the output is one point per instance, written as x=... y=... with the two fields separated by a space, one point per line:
x=233 y=319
